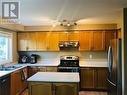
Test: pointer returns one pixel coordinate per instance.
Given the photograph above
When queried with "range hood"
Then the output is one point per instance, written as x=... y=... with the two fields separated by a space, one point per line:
x=69 y=45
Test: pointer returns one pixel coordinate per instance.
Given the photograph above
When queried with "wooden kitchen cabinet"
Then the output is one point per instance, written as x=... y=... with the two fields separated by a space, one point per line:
x=41 y=88
x=98 y=41
x=85 y=41
x=73 y=36
x=53 y=40
x=93 y=78
x=22 y=41
x=102 y=74
x=63 y=36
x=27 y=41
x=87 y=78
x=18 y=82
x=41 y=41
x=66 y=88
x=109 y=35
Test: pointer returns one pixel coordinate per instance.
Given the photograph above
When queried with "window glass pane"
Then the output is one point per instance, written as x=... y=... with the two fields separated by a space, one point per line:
x=3 y=48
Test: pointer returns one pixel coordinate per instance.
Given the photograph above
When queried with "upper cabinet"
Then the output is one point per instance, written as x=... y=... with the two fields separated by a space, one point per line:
x=48 y=41
x=27 y=41
x=85 y=40
x=41 y=41
x=109 y=35
x=52 y=41
x=98 y=41
x=92 y=41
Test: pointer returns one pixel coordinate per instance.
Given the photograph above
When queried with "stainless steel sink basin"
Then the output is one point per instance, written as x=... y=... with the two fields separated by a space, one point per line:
x=9 y=68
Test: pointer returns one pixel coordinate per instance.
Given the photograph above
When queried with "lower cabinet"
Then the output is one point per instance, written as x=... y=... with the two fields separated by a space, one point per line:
x=40 y=88
x=5 y=85
x=93 y=78
x=18 y=81
x=34 y=69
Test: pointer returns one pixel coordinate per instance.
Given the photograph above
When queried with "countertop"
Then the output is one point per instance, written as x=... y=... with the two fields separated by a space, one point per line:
x=82 y=63
x=55 y=77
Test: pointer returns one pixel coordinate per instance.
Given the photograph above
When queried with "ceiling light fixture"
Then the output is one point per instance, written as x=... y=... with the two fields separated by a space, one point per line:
x=67 y=23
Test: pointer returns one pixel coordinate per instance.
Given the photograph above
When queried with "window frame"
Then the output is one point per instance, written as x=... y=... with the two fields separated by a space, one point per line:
x=10 y=50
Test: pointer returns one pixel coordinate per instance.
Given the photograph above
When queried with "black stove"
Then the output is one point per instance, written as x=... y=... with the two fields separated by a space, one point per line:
x=69 y=64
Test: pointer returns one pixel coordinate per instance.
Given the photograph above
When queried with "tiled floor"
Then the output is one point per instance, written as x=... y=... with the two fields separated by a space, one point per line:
x=81 y=93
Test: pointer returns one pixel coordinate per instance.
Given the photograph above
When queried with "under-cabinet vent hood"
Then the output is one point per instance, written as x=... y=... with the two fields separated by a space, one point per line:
x=69 y=45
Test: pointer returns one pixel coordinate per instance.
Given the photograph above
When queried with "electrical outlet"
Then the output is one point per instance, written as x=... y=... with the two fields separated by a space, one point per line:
x=90 y=56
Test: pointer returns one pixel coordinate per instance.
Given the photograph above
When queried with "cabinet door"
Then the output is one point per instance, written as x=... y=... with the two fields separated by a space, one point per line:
x=38 y=88
x=98 y=42
x=42 y=41
x=87 y=78
x=26 y=41
x=22 y=41
x=109 y=35
x=63 y=36
x=31 y=41
x=85 y=41
x=73 y=36
x=16 y=83
x=66 y=89
x=53 y=40
x=102 y=75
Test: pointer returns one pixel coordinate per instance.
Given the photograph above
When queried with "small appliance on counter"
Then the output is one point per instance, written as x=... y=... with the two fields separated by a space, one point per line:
x=23 y=59
x=33 y=58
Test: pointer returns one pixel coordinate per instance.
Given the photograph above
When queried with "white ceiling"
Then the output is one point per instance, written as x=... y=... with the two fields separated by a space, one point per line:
x=47 y=12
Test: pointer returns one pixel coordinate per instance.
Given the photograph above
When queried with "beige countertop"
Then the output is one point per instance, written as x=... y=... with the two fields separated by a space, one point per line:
x=82 y=63
x=55 y=77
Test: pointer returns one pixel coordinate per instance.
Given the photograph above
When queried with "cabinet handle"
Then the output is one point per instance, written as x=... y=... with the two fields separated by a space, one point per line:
x=4 y=80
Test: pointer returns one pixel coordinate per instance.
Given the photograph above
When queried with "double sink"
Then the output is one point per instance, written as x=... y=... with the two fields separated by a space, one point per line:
x=9 y=68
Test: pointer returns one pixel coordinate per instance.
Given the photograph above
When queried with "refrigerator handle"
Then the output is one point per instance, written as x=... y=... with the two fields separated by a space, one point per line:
x=111 y=82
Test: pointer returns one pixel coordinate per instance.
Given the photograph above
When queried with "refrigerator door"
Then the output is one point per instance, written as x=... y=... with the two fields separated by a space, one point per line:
x=112 y=88
x=116 y=72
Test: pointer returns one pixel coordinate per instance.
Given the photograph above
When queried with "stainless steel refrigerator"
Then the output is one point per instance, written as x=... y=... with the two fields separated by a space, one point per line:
x=115 y=68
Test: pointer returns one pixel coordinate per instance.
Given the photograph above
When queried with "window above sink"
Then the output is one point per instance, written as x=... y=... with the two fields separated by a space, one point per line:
x=5 y=47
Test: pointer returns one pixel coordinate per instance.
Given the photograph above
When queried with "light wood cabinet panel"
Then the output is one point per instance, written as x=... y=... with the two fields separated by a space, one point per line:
x=63 y=36
x=109 y=35
x=27 y=41
x=22 y=41
x=87 y=78
x=41 y=88
x=85 y=41
x=73 y=36
x=98 y=41
x=15 y=83
x=18 y=82
x=38 y=88
x=53 y=40
x=31 y=41
x=42 y=41
x=66 y=89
